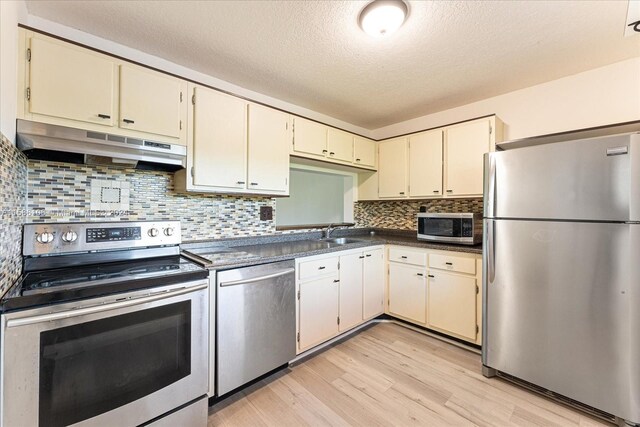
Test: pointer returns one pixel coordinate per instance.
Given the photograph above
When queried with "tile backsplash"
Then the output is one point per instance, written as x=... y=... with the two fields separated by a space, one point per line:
x=401 y=214
x=13 y=196
x=67 y=192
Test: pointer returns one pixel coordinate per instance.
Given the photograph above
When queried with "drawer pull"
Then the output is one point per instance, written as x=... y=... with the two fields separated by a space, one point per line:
x=449 y=191
x=129 y=121
x=240 y=182
x=104 y=116
x=322 y=267
x=324 y=151
x=336 y=281
x=357 y=160
x=432 y=276
x=254 y=183
x=436 y=191
x=403 y=257
x=368 y=255
x=449 y=263
x=331 y=153
x=419 y=274
x=361 y=257
x=402 y=192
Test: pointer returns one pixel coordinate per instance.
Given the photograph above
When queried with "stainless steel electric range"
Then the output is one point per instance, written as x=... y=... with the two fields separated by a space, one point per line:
x=107 y=326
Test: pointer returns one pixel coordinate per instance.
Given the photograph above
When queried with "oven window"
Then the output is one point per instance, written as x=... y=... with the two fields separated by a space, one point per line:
x=94 y=367
x=441 y=227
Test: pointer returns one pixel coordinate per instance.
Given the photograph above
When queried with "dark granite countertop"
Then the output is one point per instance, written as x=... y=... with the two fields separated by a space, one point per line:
x=245 y=251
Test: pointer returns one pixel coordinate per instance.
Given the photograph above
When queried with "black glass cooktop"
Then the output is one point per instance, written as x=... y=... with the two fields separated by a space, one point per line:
x=65 y=284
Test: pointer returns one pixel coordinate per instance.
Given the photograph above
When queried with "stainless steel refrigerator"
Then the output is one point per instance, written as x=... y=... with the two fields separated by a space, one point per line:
x=561 y=277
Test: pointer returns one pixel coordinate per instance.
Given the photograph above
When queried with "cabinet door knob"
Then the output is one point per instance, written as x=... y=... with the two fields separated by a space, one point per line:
x=436 y=191
x=420 y=274
x=104 y=116
x=129 y=121
x=402 y=192
x=449 y=191
x=331 y=153
x=368 y=255
x=240 y=182
x=357 y=160
x=324 y=151
x=361 y=257
x=448 y=263
x=322 y=267
x=403 y=257
x=431 y=275
x=336 y=281
x=254 y=183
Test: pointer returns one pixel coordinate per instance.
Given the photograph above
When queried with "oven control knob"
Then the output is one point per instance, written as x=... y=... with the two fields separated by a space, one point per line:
x=69 y=236
x=168 y=231
x=153 y=232
x=44 y=238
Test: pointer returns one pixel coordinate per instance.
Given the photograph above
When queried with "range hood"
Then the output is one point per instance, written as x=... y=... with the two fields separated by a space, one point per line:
x=44 y=141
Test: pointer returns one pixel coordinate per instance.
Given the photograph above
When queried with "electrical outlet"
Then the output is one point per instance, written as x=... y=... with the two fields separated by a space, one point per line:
x=266 y=213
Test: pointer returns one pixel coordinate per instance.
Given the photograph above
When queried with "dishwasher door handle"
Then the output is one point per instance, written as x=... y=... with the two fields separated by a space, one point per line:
x=259 y=278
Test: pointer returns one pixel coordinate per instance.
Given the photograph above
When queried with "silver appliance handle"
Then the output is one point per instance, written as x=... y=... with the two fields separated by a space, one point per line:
x=493 y=198
x=259 y=278
x=12 y=323
x=491 y=252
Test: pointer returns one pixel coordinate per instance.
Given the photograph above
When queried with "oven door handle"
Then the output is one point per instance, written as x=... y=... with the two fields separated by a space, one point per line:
x=67 y=314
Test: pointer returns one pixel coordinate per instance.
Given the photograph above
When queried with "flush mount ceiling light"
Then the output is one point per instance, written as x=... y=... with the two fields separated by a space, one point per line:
x=383 y=17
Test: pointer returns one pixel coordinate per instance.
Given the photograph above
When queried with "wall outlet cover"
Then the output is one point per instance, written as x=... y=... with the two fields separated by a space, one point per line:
x=266 y=213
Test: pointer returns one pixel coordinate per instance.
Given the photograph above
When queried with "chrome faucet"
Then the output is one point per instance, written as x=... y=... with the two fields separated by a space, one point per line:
x=331 y=227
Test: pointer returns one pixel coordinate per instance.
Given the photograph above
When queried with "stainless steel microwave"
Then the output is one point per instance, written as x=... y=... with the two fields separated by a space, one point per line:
x=460 y=228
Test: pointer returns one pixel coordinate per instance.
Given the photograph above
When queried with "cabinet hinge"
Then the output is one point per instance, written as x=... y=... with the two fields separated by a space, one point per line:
x=28 y=94
x=29 y=55
x=193 y=99
x=338 y=320
x=477 y=329
x=298 y=294
x=193 y=172
x=477 y=289
x=298 y=337
x=180 y=96
x=180 y=124
x=338 y=265
x=490 y=129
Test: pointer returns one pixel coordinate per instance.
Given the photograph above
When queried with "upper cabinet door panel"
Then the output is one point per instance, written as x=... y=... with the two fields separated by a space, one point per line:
x=364 y=152
x=392 y=168
x=425 y=164
x=219 y=139
x=150 y=102
x=339 y=145
x=466 y=145
x=69 y=82
x=269 y=138
x=309 y=137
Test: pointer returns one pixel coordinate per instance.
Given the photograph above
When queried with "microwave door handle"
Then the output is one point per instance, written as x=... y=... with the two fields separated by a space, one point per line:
x=12 y=323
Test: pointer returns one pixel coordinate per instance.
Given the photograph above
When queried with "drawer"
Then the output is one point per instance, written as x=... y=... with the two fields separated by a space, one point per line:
x=317 y=267
x=453 y=263
x=407 y=256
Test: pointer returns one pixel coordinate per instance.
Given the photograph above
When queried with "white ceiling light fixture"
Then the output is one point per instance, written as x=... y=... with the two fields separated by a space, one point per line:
x=383 y=17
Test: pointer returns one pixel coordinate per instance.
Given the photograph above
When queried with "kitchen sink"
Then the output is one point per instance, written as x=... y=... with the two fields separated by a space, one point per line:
x=340 y=241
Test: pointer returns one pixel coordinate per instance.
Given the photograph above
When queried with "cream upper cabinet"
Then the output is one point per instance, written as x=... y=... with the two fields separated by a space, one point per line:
x=392 y=168
x=318 y=311
x=425 y=164
x=68 y=82
x=150 y=102
x=351 y=273
x=309 y=137
x=339 y=145
x=219 y=140
x=465 y=146
x=268 y=159
x=364 y=152
x=451 y=304
x=373 y=283
x=408 y=292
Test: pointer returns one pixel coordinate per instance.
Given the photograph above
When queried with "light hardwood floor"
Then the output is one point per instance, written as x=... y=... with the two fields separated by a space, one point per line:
x=388 y=375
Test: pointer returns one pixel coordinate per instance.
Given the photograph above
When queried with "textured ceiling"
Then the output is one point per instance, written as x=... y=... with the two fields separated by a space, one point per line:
x=313 y=54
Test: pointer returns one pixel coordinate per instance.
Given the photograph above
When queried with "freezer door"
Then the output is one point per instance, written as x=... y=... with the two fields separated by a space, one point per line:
x=561 y=309
x=592 y=179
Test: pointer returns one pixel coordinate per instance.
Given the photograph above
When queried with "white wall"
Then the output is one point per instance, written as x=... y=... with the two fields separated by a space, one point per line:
x=11 y=12
x=601 y=96
x=161 y=64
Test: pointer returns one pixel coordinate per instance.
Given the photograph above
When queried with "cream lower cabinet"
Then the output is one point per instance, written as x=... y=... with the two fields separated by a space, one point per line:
x=407 y=292
x=337 y=292
x=436 y=289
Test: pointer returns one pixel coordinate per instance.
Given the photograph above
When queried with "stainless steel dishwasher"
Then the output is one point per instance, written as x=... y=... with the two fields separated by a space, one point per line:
x=256 y=322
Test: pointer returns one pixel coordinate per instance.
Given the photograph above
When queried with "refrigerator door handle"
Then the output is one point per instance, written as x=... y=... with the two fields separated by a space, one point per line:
x=493 y=196
x=491 y=252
